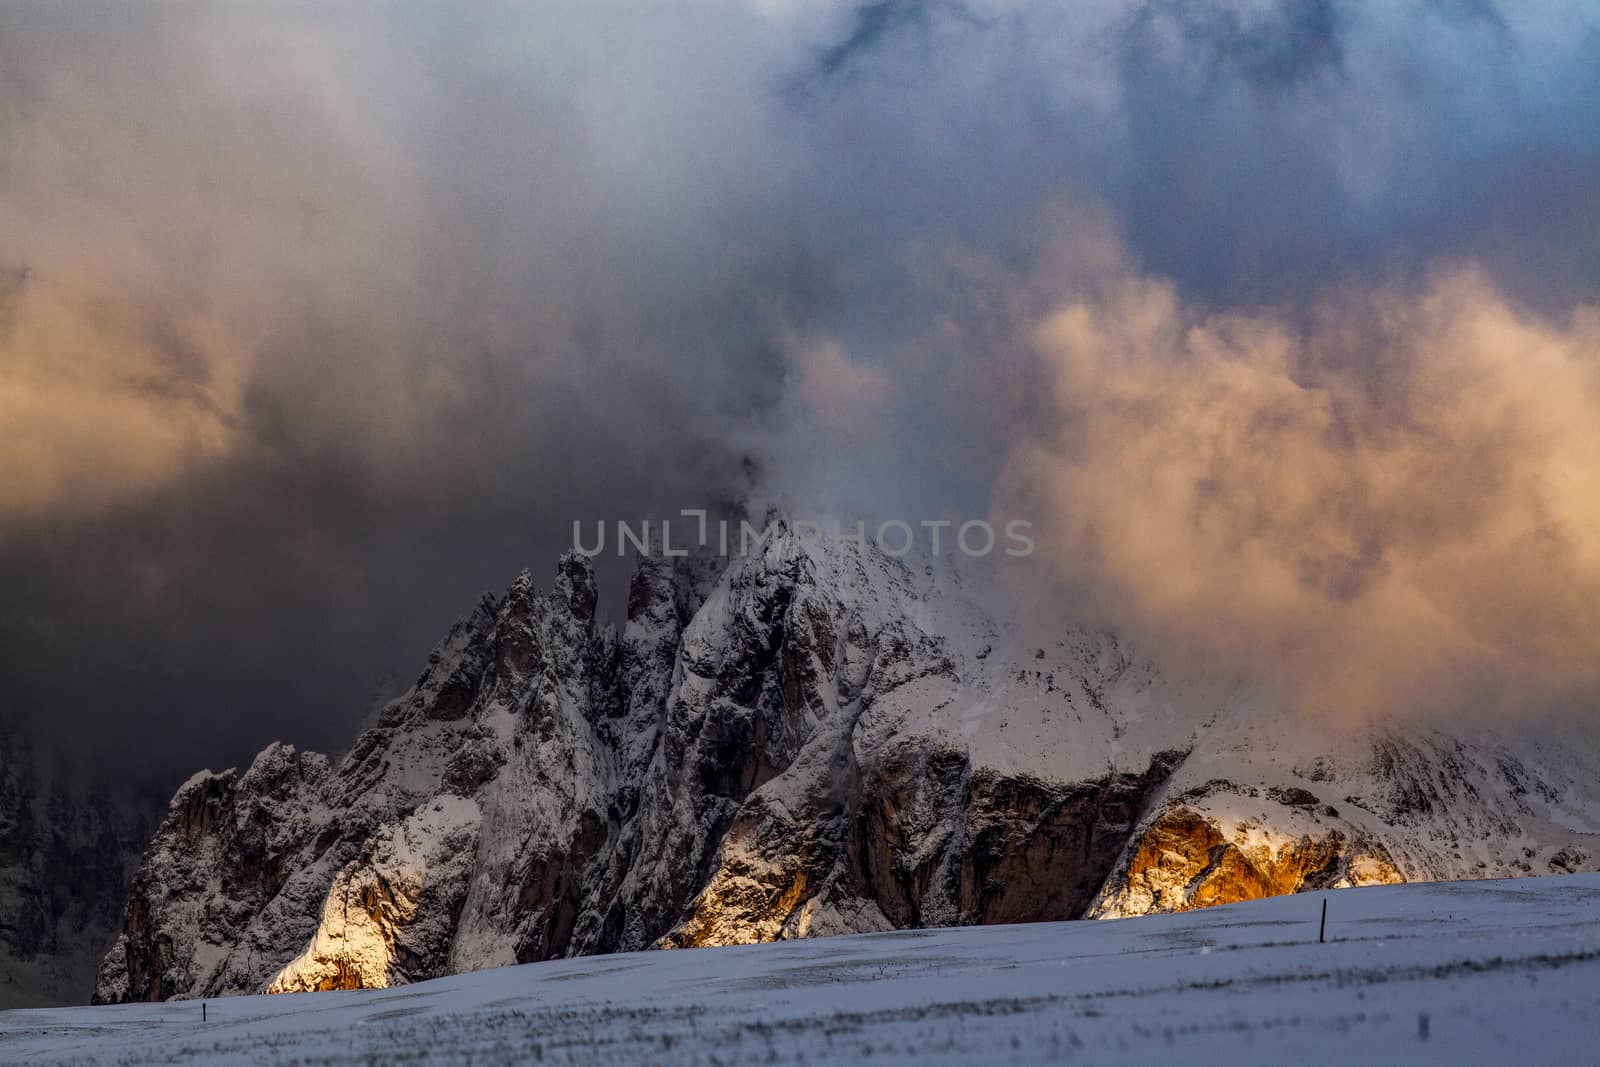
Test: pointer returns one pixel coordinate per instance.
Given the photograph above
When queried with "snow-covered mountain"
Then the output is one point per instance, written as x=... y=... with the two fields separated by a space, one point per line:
x=814 y=739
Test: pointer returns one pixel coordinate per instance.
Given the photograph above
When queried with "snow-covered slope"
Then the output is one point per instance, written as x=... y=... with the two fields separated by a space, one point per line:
x=1452 y=973
x=816 y=739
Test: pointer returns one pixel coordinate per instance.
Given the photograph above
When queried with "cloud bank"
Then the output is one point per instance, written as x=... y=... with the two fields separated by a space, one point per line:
x=316 y=322
x=1389 y=506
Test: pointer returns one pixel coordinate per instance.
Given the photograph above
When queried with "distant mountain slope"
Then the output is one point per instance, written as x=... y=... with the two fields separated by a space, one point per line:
x=66 y=857
x=815 y=739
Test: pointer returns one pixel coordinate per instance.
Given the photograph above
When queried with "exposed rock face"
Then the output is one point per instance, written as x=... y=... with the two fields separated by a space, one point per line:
x=930 y=844
x=66 y=855
x=816 y=739
x=224 y=855
x=1247 y=816
x=395 y=907
x=1185 y=860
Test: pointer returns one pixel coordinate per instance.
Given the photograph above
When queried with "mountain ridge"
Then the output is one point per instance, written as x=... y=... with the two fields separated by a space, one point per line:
x=813 y=739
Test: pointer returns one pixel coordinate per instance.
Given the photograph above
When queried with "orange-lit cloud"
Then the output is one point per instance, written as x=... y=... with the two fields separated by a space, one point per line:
x=1391 y=503
x=98 y=406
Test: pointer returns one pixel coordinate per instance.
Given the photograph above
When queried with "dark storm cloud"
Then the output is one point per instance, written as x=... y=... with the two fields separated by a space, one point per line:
x=874 y=26
x=1286 y=44
x=315 y=323
x=330 y=324
x=1486 y=12
x=1301 y=141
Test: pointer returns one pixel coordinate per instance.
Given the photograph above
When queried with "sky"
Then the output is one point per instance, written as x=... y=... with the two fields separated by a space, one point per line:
x=1280 y=319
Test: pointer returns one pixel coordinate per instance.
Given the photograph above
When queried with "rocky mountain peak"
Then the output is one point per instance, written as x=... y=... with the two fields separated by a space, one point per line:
x=814 y=738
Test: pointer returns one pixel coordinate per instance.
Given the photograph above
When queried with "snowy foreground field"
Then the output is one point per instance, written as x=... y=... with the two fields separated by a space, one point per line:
x=1478 y=972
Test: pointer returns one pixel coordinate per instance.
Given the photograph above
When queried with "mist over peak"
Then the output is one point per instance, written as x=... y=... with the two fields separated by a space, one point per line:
x=315 y=324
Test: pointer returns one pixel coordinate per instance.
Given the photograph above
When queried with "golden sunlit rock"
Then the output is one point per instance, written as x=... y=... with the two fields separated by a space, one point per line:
x=739 y=910
x=370 y=919
x=354 y=944
x=1185 y=860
